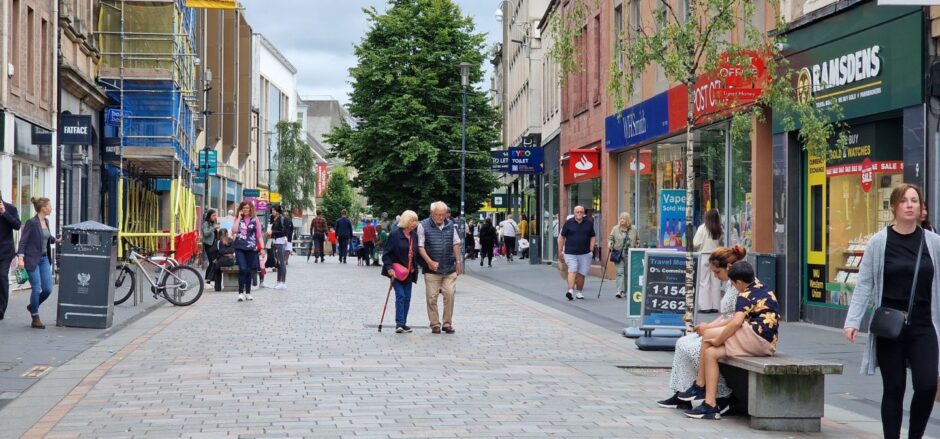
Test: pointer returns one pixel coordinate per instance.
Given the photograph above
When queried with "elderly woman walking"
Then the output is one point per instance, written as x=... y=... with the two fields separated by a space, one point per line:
x=622 y=237
x=400 y=264
x=890 y=278
x=35 y=255
x=685 y=361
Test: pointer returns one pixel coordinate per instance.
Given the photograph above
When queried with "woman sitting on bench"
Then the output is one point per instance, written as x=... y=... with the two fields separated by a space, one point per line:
x=751 y=332
x=685 y=361
x=225 y=257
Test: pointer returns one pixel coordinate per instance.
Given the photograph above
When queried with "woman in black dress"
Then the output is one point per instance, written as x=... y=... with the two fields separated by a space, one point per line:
x=487 y=241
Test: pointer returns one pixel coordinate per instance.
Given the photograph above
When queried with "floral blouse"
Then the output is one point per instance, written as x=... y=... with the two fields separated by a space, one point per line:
x=761 y=309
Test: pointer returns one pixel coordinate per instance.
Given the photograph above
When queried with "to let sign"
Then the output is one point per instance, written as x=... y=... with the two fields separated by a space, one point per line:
x=500 y=161
x=75 y=129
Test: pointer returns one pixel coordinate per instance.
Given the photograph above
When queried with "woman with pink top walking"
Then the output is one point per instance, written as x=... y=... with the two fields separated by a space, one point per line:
x=247 y=245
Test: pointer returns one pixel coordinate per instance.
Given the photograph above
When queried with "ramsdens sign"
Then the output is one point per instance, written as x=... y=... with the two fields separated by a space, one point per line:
x=867 y=59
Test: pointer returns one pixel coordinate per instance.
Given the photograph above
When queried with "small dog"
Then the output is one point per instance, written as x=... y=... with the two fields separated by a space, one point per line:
x=363 y=255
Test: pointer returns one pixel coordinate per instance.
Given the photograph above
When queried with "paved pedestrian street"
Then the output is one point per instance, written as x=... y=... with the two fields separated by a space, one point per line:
x=308 y=362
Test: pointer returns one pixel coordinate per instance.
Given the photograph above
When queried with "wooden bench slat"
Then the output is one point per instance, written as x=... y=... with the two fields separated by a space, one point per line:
x=784 y=365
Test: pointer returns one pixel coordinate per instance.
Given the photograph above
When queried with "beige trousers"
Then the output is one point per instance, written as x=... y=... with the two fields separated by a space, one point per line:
x=440 y=284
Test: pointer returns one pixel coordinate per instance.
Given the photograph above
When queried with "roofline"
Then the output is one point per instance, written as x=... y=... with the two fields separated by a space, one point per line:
x=552 y=5
x=277 y=53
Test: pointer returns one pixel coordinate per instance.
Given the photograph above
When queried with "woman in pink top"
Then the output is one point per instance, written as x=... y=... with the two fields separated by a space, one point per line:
x=248 y=242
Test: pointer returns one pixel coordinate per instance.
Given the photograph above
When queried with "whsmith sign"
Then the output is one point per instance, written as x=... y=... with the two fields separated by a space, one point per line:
x=870 y=60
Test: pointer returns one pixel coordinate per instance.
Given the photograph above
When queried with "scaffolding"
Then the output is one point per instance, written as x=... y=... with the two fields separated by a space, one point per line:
x=147 y=67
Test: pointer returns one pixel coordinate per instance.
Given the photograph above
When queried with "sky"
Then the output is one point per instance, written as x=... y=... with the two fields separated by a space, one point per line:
x=317 y=36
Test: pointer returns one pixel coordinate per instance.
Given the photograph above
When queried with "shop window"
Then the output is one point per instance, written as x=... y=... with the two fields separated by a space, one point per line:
x=588 y=195
x=851 y=206
x=740 y=222
x=550 y=224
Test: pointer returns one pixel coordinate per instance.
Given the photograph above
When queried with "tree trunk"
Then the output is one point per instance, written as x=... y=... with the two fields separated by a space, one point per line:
x=689 y=203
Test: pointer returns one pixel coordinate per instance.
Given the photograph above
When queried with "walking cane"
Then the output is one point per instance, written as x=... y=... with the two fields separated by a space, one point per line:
x=389 y=294
x=604 y=276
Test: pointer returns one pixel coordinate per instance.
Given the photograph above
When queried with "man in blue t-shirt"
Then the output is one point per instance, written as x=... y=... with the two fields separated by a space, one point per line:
x=575 y=244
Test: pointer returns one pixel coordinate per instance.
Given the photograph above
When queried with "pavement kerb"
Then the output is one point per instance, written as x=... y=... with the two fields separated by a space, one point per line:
x=39 y=408
x=836 y=418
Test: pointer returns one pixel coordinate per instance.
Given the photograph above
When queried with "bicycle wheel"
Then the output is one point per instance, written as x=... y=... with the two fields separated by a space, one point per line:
x=182 y=285
x=124 y=284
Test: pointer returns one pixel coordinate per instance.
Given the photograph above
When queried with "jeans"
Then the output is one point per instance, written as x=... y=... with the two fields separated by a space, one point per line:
x=40 y=279
x=281 y=262
x=4 y=283
x=318 y=246
x=370 y=250
x=402 y=301
x=621 y=278
x=343 y=248
x=247 y=266
x=917 y=347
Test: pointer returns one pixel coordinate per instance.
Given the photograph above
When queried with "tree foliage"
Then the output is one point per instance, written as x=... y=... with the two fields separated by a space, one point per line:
x=339 y=195
x=407 y=98
x=689 y=44
x=296 y=176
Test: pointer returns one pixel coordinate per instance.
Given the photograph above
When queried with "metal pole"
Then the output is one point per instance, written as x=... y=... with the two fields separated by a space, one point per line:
x=463 y=151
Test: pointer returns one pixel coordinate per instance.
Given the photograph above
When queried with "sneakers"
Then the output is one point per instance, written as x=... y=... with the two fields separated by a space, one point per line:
x=248 y=296
x=579 y=296
x=264 y=285
x=620 y=295
x=694 y=393
x=724 y=404
x=704 y=411
x=402 y=329
x=675 y=403
x=569 y=295
x=279 y=287
x=449 y=329
x=241 y=297
x=435 y=330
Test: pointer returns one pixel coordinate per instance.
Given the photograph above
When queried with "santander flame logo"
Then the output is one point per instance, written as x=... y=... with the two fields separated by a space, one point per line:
x=584 y=164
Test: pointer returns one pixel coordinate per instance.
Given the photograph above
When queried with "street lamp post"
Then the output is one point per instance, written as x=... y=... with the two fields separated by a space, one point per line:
x=464 y=81
x=270 y=178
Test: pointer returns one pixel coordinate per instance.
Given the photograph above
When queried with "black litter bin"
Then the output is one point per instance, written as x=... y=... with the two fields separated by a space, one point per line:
x=86 y=275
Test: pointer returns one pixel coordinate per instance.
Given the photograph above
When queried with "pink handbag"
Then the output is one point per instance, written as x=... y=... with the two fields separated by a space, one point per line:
x=402 y=272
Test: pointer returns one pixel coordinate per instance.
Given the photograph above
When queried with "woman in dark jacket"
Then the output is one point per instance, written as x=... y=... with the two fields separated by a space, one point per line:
x=210 y=239
x=225 y=257
x=279 y=236
x=35 y=254
x=487 y=241
x=402 y=247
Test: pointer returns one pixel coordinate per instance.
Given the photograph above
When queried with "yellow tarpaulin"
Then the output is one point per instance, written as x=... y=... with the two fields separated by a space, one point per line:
x=212 y=4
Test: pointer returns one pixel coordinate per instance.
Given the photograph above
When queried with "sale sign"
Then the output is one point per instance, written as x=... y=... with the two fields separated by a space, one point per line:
x=322 y=179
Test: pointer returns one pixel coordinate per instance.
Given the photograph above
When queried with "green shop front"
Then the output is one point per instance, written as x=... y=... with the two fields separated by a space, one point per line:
x=869 y=60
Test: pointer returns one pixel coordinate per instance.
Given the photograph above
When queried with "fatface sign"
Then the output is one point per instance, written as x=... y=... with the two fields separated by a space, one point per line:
x=75 y=129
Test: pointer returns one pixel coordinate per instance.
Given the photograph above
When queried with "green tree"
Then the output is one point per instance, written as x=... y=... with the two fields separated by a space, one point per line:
x=687 y=44
x=296 y=176
x=407 y=98
x=339 y=195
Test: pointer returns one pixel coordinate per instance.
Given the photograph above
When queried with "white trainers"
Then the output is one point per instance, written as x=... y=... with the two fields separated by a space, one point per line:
x=241 y=297
x=248 y=296
x=265 y=285
x=281 y=287
x=579 y=295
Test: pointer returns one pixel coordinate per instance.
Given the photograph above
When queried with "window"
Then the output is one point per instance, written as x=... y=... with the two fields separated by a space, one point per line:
x=618 y=35
x=684 y=10
x=597 y=60
x=15 y=40
x=30 y=53
x=46 y=76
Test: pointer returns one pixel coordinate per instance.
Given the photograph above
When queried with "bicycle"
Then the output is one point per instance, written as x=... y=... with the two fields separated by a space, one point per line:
x=177 y=282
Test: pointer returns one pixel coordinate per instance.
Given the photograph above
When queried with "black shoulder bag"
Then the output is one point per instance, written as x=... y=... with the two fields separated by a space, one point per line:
x=616 y=254
x=888 y=322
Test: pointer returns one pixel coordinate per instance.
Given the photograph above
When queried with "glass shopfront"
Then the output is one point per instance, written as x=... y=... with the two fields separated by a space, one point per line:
x=588 y=194
x=649 y=173
x=848 y=200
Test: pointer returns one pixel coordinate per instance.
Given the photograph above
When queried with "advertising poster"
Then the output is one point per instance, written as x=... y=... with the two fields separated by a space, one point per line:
x=672 y=218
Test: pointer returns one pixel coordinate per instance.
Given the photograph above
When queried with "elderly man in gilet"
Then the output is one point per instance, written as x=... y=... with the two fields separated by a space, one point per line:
x=439 y=245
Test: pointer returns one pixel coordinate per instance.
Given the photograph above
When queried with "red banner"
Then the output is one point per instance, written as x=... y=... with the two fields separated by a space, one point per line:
x=583 y=165
x=322 y=179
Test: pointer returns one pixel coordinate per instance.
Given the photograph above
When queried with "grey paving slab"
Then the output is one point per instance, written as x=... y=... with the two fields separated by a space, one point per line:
x=304 y=362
